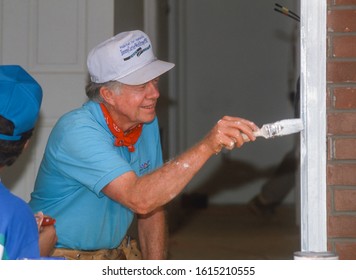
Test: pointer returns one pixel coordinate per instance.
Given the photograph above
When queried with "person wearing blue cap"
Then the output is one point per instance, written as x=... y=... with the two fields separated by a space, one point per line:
x=103 y=161
x=20 y=101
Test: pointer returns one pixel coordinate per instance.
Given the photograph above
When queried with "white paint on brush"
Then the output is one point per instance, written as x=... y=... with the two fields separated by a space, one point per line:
x=280 y=128
x=289 y=126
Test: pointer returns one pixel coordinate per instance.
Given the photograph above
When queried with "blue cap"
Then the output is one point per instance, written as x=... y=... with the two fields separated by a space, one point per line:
x=20 y=99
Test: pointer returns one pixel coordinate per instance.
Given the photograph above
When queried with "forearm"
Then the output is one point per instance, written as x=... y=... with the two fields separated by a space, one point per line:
x=152 y=232
x=162 y=185
x=144 y=194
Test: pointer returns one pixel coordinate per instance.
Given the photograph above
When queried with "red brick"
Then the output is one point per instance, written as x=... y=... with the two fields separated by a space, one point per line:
x=345 y=98
x=345 y=149
x=341 y=123
x=346 y=250
x=341 y=174
x=345 y=2
x=341 y=72
x=330 y=245
x=329 y=102
x=344 y=46
x=342 y=226
x=344 y=200
x=329 y=198
x=330 y=148
x=341 y=21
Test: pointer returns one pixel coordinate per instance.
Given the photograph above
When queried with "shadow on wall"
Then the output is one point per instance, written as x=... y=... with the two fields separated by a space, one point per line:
x=231 y=174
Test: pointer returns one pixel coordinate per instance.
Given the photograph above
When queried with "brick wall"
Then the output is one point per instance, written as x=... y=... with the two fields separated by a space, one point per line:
x=341 y=127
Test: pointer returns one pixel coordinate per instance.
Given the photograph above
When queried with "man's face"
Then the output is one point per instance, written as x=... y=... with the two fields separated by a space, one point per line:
x=136 y=104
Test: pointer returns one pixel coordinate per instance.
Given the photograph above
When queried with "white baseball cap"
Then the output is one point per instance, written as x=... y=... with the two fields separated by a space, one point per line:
x=127 y=58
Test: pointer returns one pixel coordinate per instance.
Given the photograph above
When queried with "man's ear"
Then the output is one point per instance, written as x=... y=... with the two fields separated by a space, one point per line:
x=107 y=95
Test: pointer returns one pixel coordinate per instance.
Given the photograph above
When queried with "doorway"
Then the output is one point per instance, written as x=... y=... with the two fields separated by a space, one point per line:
x=242 y=58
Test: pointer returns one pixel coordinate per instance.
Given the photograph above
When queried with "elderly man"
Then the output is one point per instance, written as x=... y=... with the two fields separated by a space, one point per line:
x=103 y=161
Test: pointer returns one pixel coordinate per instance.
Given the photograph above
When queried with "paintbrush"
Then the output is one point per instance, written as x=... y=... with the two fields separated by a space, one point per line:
x=276 y=129
x=285 y=11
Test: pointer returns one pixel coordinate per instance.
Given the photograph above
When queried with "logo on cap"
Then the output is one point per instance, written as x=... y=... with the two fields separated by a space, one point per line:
x=135 y=46
x=138 y=52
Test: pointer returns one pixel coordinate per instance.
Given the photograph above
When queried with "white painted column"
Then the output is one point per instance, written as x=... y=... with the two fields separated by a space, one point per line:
x=313 y=138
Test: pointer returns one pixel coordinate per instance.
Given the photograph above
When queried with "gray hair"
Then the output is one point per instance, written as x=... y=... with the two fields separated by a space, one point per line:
x=93 y=89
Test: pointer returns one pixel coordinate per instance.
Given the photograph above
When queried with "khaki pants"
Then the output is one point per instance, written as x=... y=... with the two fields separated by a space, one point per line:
x=127 y=250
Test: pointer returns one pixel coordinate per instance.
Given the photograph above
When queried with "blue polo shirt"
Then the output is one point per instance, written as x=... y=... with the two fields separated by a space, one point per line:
x=79 y=161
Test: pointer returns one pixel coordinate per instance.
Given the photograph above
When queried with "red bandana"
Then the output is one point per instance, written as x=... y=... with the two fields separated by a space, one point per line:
x=122 y=139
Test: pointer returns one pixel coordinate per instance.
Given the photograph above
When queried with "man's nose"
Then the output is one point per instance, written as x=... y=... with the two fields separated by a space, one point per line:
x=153 y=91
